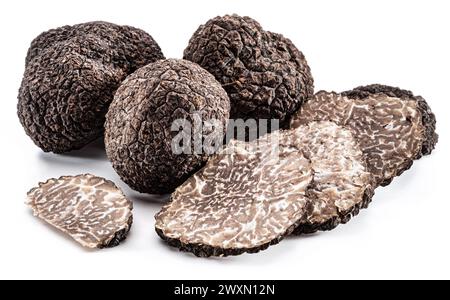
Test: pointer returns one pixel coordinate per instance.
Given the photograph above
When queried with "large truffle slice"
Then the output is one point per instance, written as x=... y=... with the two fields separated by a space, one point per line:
x=264 y=74
x=389 y=129
x=70 y=78
x=90 y=209
x=342 y=182
x=138 y=132
x=247 y=197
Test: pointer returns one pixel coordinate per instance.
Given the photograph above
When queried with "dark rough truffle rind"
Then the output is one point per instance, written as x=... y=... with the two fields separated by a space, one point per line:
x=90 y=209
x=119 y=236
x=132 y=47
x=428 y=118
x=343 y=217
x=70 y=78
x=342 y=184
x=59 y=111
x=234 y=205
x=202 y=250
x=264 y=74
x=138 y=132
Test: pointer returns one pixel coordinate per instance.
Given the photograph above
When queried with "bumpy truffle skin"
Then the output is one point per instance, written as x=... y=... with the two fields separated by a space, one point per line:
x=428 y=118
x=138 y=135
x=246 y=198
x=342 y=182
x=133 y=47
x=264 y=74
x=90 y=209
x=70 y=78
x=389 y=129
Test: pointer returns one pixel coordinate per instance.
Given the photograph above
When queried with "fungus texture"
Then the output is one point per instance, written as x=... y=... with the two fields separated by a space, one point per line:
x=428 y=118
x=247 y=197
x=389 y=128
x=139 y=132
x=342 y=182
x=264 y=74
x=70 y=78
x=90 y=209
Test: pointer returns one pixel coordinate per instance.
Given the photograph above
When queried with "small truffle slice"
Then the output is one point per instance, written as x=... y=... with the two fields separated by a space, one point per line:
x=389 y=129
x=245 y=199
x=90 y=209
x=342 y=182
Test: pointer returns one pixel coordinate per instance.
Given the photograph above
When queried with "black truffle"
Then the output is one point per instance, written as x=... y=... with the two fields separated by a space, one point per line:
x=264 y=74
x=247 y=197
x=138 y=128
x=389 y=126
x=90 y=209
x=70 y=78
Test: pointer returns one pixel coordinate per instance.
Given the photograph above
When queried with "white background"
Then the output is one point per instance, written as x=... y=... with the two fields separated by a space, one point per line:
x=404 y=233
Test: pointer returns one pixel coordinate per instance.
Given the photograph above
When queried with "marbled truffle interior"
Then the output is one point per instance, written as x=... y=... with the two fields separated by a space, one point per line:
x=90 y=209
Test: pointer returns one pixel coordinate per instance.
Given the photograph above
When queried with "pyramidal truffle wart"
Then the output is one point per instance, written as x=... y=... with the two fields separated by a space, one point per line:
x=393 y=128
x=264 y=74
x=138 y=128
x=342 y=182
x=70 y=78
x=90 y=209
x=247 y=197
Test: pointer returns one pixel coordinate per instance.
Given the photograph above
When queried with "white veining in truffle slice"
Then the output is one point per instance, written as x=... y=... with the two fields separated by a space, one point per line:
x=342 y=181
x=90 y=209
x=244 y=198
x=389 y=129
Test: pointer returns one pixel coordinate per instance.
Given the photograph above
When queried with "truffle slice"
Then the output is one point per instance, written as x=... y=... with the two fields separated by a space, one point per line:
x=91 y=210
x=139 y=128
x=428 y=118
x=264 y=74
x=247 y=197
x=389 y=129
x=70 y=79
x=342 y=182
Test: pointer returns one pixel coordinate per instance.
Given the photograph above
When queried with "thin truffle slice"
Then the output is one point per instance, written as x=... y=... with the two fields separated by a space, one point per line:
x=389 y=129
x=342 y=182
x=245 y=199
x=428 y=118
x=91 y=210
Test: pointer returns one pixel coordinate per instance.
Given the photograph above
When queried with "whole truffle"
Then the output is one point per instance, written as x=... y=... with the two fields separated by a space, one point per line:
x=138 y=129
x=264 y=74
x=70 y=78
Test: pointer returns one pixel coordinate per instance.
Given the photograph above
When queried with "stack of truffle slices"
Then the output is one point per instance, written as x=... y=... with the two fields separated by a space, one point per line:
x=352 y=142
x=334 y=150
